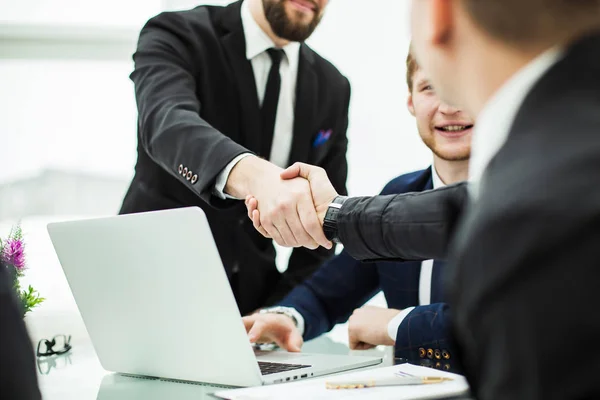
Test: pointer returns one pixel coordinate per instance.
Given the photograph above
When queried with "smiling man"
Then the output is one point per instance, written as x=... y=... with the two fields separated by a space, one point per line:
x=227 y=97
x=417 y=321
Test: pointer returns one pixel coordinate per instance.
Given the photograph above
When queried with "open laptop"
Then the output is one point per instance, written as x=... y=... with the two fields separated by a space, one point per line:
x=155 y=300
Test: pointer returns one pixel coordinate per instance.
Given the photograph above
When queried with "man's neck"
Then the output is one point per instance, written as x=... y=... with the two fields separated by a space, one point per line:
x=495 y=63
x=258 y=13
x=451 y=171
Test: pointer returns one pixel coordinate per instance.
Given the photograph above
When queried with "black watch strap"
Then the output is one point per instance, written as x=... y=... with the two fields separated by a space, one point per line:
x=330 y=226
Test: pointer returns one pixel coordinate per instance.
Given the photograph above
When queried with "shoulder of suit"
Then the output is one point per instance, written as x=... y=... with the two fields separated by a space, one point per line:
x=404 y=183
x=200 y=16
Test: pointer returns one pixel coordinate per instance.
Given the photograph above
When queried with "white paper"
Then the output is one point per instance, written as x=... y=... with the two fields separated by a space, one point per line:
x=315 y=388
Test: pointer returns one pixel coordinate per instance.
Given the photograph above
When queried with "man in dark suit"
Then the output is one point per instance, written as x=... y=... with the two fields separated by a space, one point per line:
x=218 y=88
x=18 y=377
x=416 y=321
x=522 y=239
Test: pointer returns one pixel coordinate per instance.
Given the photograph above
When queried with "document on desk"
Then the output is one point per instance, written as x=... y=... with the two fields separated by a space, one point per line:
x=315 y=389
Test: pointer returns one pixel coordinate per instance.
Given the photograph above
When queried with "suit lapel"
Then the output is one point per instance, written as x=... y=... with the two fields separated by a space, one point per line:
x=234 y=44
x=305 y=112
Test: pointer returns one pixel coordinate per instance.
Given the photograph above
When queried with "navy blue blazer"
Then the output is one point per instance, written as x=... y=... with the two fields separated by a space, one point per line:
x=343 y=284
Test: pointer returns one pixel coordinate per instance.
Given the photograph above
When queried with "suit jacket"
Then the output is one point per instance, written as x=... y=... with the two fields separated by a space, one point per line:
x=524 y=257
x=198 y=110
x=343 y=284
x=18 y=377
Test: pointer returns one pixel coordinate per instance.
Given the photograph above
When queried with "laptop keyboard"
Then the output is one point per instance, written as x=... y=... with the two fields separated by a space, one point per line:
x=267 y=368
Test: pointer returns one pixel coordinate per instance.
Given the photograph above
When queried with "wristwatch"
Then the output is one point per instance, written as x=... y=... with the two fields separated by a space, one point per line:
x=280 y=310
x=330 y=226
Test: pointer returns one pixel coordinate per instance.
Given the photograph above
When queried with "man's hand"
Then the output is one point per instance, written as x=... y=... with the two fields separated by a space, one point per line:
x=368 y=327
x=286 y=210
x=322 y=192
x=273 y=328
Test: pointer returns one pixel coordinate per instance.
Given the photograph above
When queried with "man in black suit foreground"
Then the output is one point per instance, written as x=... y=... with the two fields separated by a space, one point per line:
x=218 y=88
x=18 y=377
x=523 y=237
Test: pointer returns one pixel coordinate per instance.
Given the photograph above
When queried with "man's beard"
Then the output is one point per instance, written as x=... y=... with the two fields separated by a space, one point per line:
x=455 y=156
x=284 y=27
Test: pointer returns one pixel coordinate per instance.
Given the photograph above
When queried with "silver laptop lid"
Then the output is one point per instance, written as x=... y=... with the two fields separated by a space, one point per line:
x=155 y=298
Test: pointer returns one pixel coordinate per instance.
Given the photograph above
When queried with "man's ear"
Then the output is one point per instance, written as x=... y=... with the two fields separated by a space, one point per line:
x=410 y=104
x=442 y=21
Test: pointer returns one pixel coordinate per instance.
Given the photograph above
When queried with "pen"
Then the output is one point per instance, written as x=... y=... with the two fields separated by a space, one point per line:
x=366 y=383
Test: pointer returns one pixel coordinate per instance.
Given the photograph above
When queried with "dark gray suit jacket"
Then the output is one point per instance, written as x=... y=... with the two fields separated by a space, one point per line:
x=525 y=258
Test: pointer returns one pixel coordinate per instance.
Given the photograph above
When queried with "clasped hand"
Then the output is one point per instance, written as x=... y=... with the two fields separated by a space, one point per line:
x=297 y=221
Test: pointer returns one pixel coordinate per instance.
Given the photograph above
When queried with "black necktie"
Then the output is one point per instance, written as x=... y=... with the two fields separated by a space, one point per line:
x=269 y=106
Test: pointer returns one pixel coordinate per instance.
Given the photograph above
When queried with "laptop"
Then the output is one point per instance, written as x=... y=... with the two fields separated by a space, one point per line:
x=156 y=302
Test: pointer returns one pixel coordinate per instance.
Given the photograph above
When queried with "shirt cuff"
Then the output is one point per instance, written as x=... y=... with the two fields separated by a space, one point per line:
x=219 y=189
x=395 y=323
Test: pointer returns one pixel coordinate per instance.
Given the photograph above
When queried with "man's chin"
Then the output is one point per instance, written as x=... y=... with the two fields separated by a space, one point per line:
x=456 y=154
x=453 y=156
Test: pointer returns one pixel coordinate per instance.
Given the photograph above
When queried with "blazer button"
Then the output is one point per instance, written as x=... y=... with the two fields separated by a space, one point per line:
x=445 y=354
x=422 y=353
x=180 y=168
x=189 y=175
x=438 y=365
x=430 y=353
x=194 y=179
x=446 y=367
x=437 y=354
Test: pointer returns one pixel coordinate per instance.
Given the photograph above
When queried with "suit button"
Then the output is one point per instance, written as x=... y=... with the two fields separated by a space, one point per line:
x=429 y=353
x=446 y=367
x=180 y=168
x=445 y=354
x=189 y=175
x=438 y=365
x=185 y=171
x=422 y=353
x=437 y=354
x=194 y=179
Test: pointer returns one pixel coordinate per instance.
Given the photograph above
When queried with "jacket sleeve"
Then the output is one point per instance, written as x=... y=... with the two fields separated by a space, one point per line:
x=330 y=295
x=171 y=129
x=424 y=338
x=406 y=227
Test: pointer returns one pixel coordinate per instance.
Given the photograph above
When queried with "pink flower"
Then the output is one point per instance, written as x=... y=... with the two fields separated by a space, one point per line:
x=14 y=253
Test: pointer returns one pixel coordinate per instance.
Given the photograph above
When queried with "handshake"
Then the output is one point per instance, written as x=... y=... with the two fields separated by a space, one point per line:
x=288 y=206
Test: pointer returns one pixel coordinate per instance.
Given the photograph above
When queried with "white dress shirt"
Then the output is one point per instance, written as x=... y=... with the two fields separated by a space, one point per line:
x=257 y=44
